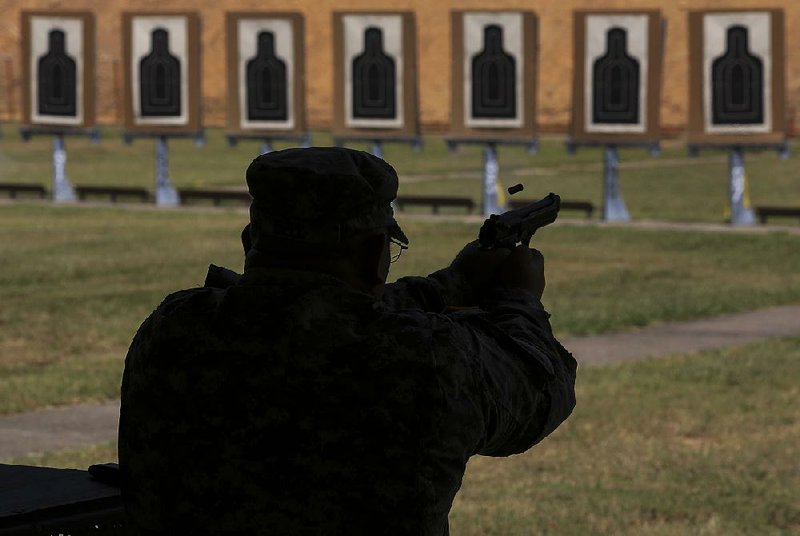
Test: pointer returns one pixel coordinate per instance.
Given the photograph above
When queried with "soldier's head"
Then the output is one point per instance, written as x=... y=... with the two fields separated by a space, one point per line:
x=324 y=209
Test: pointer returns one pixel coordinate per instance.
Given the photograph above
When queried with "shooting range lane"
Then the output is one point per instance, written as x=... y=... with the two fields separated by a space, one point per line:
x=72 y=427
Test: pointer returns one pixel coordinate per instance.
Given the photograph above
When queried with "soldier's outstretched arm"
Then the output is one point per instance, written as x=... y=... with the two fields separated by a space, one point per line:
x=462 y=284
x=519 y=380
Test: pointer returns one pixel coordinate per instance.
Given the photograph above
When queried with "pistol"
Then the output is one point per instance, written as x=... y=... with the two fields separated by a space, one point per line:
x=519 y=225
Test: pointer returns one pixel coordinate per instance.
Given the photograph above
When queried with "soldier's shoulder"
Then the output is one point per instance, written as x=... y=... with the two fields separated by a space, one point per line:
x=184 y=307
x=191 y=297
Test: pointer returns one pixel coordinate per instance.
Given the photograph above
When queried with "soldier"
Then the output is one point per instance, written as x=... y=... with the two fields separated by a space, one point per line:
x=307 y=396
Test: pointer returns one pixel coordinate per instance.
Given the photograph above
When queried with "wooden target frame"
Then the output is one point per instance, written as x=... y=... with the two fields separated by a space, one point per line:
x=464 y=127
x=80 y=50
x=772 y=130
x=398 y=33
x=189 y=122
x=644 y=34
x=288 y=32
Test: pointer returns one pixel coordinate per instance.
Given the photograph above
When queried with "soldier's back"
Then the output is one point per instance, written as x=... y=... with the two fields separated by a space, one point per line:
x=287 y=404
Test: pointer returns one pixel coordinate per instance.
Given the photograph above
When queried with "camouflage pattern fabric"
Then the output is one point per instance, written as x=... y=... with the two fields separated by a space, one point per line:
x=290 y=403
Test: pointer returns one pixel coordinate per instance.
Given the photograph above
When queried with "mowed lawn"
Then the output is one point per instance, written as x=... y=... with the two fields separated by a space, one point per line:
x=76 y=282
x=704 y=444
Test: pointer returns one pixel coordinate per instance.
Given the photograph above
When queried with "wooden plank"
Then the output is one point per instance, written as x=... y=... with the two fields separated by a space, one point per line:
x=584 y=206
x=214 y=195
x=25 y=491
x=112 y=191
x=435 y=202
x=764 y=212
x=14 y=188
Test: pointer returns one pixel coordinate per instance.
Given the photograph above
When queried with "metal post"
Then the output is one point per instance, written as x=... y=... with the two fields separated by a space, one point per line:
x=490 y=171
x=377 y=149
x=783 y=152
x=266 y=147
x=62 y=188
x=613 y=204
x=166 y=195
x=737 y=187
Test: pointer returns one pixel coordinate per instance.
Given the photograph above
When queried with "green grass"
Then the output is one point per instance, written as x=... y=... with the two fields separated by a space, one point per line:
x=671 y=186
x=76 y=282
x=692 y=444
x=70 y=459
x=702 y=444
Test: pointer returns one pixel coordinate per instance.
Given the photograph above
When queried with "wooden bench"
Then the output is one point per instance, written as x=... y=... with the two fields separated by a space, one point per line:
x=113 y=192
x=434 y=202
x=585 y=206
x=15 y=188
x=43 y=500
x=216 y=196
x=764 y=213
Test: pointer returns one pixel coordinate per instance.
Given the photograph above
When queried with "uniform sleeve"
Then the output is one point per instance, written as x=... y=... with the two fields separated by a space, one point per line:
x=522 y=379
x=433 y=294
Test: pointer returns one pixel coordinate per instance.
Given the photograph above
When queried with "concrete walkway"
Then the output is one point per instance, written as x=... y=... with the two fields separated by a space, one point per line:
x=72 y=427
x=683 y=337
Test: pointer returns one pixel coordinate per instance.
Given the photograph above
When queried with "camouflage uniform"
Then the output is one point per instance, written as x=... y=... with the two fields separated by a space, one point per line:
x=290 y=403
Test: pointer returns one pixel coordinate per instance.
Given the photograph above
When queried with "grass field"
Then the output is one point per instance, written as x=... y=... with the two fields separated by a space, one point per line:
x=76 y=282
x=671 y=186
x=694 y=444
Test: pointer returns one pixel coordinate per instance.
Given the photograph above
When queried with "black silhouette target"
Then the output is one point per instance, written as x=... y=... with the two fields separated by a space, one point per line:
x=374 y=80
x=616 y=55
x=58 y=69
x=737 y=82
x=267 y=82
x=494 y=78
x=160 y=78
x=492 y=57
x=737 y=76
x=616 y=81
x=372 y=52
x=265 y=73
x=57 y=79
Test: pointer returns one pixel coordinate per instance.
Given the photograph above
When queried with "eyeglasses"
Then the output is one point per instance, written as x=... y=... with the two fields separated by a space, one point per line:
x=395 y=249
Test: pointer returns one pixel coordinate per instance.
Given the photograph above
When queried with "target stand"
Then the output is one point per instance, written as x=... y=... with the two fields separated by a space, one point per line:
x=58 y=77
x=266 y=79
x=737 y=92
x=616 y=91
x=161 y=58
x=375 y=80
x=493 y=90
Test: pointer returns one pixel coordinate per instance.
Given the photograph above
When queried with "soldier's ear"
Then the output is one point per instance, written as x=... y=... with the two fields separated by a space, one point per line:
x=371 y=259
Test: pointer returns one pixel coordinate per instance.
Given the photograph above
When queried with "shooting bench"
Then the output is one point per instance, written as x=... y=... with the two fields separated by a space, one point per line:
x=14 y=188
x=112 y=192
x=43 y=500
x=434 y=202
x=216 y=196
x=765 y=212
x=585 y=206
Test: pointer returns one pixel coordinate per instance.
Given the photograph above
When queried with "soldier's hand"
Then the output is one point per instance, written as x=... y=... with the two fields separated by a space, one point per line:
x=522 y=268
x=479 y=266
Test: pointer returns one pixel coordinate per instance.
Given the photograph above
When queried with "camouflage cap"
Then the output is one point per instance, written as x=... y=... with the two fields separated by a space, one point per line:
x=321 y=195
